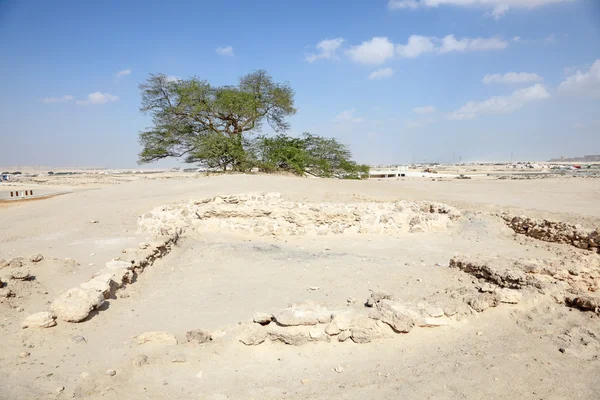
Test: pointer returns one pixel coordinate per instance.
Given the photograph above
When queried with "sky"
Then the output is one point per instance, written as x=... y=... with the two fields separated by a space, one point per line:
x=398 y=81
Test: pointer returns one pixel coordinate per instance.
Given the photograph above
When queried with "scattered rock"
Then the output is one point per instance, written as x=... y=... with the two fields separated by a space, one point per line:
x=307 y=313
x=562 y=350
x=16 y=262
x=140 y=360
x=94 y=221
x=198 y=336
x=305 y=381
x=102 y=283
x=293 y=335
x=21 y=274
x=584 y=303
x=253 y=336
x=24 y=354
x=178 y=359
x=314 y=288
x=262 y=318
x=478 y=303
x=75 y=304
x=317 y=333
x=163 y=338
x=344 y=335
x=42 y=319
x=199 y=375
x=6 y=292
x=339 y=369
x=36 y=258
x=394 y=314
x=59 y=389
x=509 y=296
x=365 y=329
x=377 y=296
x=111 y=372
x=78 y=339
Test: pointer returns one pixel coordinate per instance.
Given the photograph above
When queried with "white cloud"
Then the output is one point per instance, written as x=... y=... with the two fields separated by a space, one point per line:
x=516 y=38
x=583 y=83
x=512 y=77
x=326 y=50
x=225 y=51
x=501 y=104
x=400 y=4
x=62 y=99
x=498 y=12
x=124 y=72
x=497 y=7
x=424 y=110
x=416 y=46
x=381 y=73
x=348 y=117
x=450 y=43
x=375 y=51
x=98 y=98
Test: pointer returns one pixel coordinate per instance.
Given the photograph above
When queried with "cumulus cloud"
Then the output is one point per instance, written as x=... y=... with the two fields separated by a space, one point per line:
x=348 y=117
x=225 y=51
x=62 y=99
x=583 y=83
x=450 y=43
x=375 y=51
x=123 y=72
x=498 y=8
x=98 y=98
x=418 y=45
x=424 y=110
x=501 y=104
x=326 y=49
x=511 y=77
x=381 y=73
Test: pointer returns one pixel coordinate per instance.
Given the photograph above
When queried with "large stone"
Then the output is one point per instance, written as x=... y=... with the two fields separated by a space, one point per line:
x=118 y=264
x=293 y=335
x=75 y=304
x=307 y=313
x=584 y=303
x=341 y=321
x=42 y=319
x=154 y=337
x=253 y=335
x=365 y=329
x=102 y=283
x=36 y=258
x=16 y=262
x=21 y=274
x=317 y=333
x=509 y=296
x=395 y=315
x=139 y=360
x=262 y=318
x=198 y=336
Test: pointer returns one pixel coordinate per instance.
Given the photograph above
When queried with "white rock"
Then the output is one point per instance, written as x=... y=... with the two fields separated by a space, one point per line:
x=140 y=360
x=307 y=313
x=164 y=338
x=111 y=372
x=294 y=335
x=101 y=283
x=42 y=319
x=317 y=333
x=117 y=264
x=510 y=296
x=75 y=304
x=253 y=336
x=262 y=318
x=395 y=315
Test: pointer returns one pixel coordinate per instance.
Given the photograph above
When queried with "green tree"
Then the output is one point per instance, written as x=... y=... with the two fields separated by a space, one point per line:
x=311 y=154
x=197 y=121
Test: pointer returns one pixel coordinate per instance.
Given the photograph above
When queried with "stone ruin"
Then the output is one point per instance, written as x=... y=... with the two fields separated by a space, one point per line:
x=556 y=232
x=270 y=214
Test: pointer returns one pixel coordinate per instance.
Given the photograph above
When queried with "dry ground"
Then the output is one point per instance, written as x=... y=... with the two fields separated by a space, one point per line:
x=216 y=281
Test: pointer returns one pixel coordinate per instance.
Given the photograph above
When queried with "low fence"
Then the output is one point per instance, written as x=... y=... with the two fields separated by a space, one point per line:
x=21 y=193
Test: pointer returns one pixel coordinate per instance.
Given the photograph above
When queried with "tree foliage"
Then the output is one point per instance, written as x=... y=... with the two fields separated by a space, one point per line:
x=212 y=126
x=188 y=114
x=315 y=155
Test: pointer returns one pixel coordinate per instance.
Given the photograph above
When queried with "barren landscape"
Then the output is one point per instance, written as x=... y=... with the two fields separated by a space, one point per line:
x=258 y=286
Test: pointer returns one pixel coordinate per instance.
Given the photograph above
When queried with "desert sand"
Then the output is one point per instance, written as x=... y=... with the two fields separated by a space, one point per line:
x=148 y=287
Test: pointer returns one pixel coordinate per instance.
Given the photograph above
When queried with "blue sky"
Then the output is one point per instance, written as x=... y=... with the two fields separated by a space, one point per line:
x=399 y=80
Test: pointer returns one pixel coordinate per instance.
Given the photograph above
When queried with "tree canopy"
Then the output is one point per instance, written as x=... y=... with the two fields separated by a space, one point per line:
x=212 y=126
x=185 y=112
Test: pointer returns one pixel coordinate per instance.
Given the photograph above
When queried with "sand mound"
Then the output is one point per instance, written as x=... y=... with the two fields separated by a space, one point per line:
x=270 y=214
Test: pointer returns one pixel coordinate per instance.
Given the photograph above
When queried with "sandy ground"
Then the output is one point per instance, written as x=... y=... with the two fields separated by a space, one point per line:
x=216 y=281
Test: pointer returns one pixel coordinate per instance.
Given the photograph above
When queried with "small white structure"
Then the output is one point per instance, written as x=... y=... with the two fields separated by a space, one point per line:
x=388 y=172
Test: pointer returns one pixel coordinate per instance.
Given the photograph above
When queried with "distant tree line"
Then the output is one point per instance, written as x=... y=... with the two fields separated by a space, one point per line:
x=215 y=126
